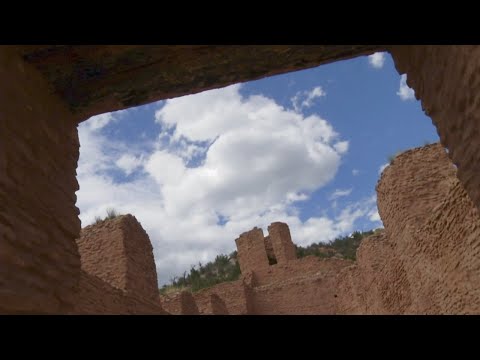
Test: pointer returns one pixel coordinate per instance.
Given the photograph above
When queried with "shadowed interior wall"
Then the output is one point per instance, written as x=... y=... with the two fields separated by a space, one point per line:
x=39 y=149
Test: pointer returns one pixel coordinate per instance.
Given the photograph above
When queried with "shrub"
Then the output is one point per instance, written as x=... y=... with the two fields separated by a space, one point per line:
x=111 y=214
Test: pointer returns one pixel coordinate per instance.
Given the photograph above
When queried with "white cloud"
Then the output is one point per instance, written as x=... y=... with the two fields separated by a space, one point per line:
x=355 y=172
x=341 y=147
x=98 y=122
x=339 y=193
x=405 y=92
x=380 y=170
x=128 y=163
x=304 y=99
x=374 y=216
x=377 y=60
x=245 y=159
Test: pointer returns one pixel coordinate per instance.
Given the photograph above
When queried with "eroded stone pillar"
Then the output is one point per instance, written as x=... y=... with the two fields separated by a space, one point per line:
x=39 y=149
x=251 y=251
x=282 y=244
x=446 y=78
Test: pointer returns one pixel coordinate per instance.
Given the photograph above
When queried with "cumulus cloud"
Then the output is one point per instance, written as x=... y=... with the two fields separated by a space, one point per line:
x=377 y=60
x=355 y=172
x=222 y=164
x=304 y=99
x=128 y=163
x=405 y=92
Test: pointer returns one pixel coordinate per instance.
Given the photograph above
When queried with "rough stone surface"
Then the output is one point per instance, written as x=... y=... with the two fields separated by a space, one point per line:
x=118 y=270
x=98 y=297
x=304 y=287
x=426 y=260
x=251 y=250
x=39 y=260
x=283 y=248
x=94 y=79
x=217 y=305
x=182 y=303
x=119 y=252
x=236 y=296
x=446 y=79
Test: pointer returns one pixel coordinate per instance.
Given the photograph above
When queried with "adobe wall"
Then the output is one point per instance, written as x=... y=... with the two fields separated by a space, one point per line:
x=251 y=251
x=446 y=79
x=413 y=268
x=182 y=303
x=269 y=248
x=98 y=297
x=39 y=149
x=281 y=240
x=306 y=286
x=366 y=286
x=306 y=266
x=236 y=296
x=412 y=187
x=119 y=252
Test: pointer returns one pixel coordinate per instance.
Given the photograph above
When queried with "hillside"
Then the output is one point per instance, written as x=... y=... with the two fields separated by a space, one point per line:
x=226 y=267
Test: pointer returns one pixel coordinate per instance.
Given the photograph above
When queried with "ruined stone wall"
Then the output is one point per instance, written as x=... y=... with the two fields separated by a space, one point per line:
x=428 y=268
x=39 y=149
x=236 y=296
x=366 y=286
x=446 y=78
x=410 y=189
x=103 y=254
x=98 y=297
x=251 y=251
x=141 y=270
x=119 y=252
x=269 y=248
x=309 y=265
x=304 y=287
x=282 y=244
x=182 y=303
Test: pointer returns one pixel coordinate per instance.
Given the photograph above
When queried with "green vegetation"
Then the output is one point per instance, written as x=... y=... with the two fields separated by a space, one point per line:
x=111 y=214
x=343 y=247
x=223 y=268
x=226 y=267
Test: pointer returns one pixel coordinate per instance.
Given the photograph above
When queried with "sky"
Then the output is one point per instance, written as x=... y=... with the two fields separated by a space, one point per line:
x=306 y=148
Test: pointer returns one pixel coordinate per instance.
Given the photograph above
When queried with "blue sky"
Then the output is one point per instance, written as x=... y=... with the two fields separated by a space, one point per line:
x=305 y=147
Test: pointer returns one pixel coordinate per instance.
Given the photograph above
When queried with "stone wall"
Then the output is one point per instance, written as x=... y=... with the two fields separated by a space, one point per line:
x=305 y=287
x=182 y=303
x=39 y=149
x=251 y=251
x=236 y=296
x=283 y=248
x=118 y=270
x=119 y=252
x=297 y=286
x=427 y=264
x=446 y=79
x=98 y=297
